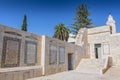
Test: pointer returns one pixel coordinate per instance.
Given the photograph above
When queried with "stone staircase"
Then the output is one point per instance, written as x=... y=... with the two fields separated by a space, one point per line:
x=95 y=66
x=114 y=72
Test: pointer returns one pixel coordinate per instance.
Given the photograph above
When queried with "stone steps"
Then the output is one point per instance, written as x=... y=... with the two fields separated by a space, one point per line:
x=114 y=71
x=91 y=66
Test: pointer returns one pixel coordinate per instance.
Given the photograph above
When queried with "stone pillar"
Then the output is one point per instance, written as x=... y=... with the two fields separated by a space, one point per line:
x=43 y=55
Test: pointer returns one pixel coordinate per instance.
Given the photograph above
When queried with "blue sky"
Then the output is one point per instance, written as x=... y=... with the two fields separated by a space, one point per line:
x=44 y=15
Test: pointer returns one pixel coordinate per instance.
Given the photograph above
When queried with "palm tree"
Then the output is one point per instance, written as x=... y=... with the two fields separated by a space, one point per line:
x=61 y=32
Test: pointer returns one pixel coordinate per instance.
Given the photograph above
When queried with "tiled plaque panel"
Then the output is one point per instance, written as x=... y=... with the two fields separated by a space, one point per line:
x=31 y=53
x=61 y=55
x=11 y=52
x=52 y=54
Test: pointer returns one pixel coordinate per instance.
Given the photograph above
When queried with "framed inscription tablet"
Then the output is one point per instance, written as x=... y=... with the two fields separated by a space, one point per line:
x=52 y=54
x=61 y=55
x=30 y=52
x=11 y=52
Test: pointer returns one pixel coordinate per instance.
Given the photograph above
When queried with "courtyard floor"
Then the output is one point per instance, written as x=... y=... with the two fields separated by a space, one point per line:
x=112 y=74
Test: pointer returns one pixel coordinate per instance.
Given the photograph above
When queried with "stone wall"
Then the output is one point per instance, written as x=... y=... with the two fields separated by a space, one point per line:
x=50 y=60
x=82 y=40
x=20 y=73
x=109 y=43
x=19 y=48
x=20 y=52
x=99 y=35
x=55 y=66
x=115 y=48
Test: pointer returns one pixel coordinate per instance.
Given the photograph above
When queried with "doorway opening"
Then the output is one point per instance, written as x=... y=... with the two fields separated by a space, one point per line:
x=70 y=62
x=98 y=51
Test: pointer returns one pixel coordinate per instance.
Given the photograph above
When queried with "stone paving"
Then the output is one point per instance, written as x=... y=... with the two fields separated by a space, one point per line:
x=112 y=74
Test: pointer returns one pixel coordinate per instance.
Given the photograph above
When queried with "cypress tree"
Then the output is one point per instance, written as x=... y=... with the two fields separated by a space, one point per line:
x=24 y=25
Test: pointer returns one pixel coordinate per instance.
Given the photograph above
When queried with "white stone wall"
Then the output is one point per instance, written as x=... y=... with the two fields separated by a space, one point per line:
x=115 y=48
x=110 y=43
x=98 y=35
x=82 y=40
x=71 y=38
x=98 y=30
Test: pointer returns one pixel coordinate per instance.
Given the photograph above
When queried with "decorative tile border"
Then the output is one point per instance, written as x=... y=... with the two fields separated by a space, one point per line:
x=11 y=52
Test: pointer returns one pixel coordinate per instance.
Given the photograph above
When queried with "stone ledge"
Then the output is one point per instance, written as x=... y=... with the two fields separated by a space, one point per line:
x=2 y=70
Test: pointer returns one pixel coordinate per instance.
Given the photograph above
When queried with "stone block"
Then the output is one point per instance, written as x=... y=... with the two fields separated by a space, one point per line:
x=9 y=76
x=16 y=75
x=2 y=76
x=37 y=72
